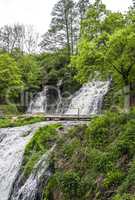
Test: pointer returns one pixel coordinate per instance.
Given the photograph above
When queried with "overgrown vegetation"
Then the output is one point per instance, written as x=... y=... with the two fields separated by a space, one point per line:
x=42 y=141
x=94 y=161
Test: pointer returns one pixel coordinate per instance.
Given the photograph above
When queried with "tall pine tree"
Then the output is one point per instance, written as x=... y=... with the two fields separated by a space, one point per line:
x=62 y=32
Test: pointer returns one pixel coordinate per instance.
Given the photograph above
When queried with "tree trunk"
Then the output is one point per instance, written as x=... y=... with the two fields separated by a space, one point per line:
x=132 y=94
x=67 y=32
x=127 y=98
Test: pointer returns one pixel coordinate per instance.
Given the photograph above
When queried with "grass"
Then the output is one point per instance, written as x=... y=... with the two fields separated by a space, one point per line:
x=19 y=121
x=42 y=141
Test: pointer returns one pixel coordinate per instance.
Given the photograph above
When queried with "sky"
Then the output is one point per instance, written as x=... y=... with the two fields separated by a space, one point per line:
x=38 y=12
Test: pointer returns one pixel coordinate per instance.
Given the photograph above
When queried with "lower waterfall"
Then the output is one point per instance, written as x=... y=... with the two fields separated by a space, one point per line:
x=12 y=146
x=32 y=189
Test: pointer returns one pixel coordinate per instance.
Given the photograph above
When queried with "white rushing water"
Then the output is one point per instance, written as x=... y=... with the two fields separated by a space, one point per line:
x=39 y=104
x=12 y=145
x=87 y=100
x=30 y=189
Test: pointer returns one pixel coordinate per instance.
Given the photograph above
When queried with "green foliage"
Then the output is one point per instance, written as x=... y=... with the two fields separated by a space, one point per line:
x=120 y=56
x=95 y=162
x=30 y=71
x=92 y=23
x=19 y=121
x=124 y=197
x=9 y=109
x=129 y=181
x=10 y=76
x=42 y=141
x=113 y=177
x=55 y=68
x=104 y=129
x=69 y=184
x=106 y=45
x=113 y=21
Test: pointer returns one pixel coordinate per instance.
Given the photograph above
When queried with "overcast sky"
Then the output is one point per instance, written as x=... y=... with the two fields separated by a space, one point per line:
x=37 y=12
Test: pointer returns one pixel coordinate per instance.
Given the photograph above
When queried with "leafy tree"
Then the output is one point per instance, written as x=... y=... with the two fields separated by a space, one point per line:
x=30 y=71
x=120 y=55
x=92 y=24
x=113 y=21
x=53 y=66
x=10 y=76
x=88 y=48
x=93 y=43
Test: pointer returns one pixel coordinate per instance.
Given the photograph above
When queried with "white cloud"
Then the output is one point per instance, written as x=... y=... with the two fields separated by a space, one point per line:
x=37 y=12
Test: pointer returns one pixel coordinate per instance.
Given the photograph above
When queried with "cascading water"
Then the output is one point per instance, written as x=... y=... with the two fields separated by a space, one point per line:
x=87 y=100
x=38 y=105
x=12 y=145
x=32 y=189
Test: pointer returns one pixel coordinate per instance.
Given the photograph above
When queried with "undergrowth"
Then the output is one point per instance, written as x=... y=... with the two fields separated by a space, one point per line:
x=91 y=162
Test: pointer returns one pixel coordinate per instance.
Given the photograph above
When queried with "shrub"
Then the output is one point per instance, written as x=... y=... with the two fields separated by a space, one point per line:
x=113 y=178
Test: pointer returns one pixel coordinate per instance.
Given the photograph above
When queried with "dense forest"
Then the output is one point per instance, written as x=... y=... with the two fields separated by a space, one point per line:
x=84 y=40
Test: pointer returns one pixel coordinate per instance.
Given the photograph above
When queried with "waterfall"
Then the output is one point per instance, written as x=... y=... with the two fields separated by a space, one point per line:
x=32 y=189
x=88 y=100
x=12 y=146
x=39 y=104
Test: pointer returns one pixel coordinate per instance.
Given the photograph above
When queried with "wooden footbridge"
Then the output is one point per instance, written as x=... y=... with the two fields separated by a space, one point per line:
x=68 y=117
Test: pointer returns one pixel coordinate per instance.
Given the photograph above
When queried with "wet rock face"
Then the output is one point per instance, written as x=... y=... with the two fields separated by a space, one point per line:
x=30 y=189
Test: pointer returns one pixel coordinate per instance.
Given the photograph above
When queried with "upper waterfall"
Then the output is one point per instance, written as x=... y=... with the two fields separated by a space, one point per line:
x=87 y=100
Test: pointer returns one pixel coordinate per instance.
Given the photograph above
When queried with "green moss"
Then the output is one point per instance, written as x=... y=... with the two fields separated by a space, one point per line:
x=43 y=140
